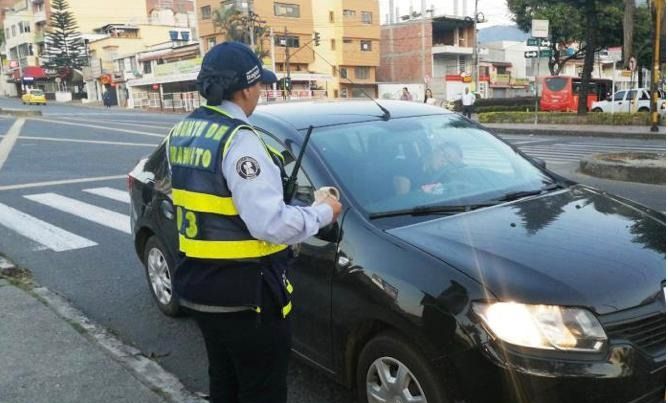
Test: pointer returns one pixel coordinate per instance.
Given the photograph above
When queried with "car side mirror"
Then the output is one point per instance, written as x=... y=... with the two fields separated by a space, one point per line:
x=329 y=233
x=540 y=162
x=287 y=157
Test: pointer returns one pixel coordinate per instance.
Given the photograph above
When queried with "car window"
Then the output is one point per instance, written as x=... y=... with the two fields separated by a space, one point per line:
x=631 y=95
x=403 y=163
x=305 y=188
x=619 y=95
x=158 y=164
x=644 y=96
x=38 y=93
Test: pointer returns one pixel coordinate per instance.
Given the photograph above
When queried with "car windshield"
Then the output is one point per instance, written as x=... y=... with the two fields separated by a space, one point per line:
x=408 y=163
x=38 y=93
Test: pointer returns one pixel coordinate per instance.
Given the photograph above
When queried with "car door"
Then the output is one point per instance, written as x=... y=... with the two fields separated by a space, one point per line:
x=311 y=274
x=618 y=101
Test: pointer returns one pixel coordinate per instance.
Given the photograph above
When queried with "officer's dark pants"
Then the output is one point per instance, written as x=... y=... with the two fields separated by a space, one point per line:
x=248 y=354
x=468 y=109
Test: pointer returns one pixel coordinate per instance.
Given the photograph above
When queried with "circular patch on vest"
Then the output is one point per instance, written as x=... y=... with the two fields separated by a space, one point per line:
x=248 y=168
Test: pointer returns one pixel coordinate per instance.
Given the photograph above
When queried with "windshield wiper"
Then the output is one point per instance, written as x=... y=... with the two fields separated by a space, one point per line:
x=426 y=210
x=525 y=193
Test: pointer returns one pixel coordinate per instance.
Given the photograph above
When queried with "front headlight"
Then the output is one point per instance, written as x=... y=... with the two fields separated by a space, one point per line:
x=546 y=327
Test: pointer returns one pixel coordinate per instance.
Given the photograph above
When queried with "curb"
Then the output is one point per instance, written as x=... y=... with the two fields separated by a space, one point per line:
x=144 y=369
x=576 y=133
x=595 y=166
x=20 y=112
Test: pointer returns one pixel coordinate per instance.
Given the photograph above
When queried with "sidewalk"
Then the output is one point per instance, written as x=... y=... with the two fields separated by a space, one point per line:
x=52 y=353
x=628 y=132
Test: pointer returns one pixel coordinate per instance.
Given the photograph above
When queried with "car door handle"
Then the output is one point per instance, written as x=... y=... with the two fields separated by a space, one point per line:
x=167 y=209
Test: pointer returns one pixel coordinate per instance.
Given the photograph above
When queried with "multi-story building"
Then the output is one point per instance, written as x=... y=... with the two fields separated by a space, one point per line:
x=349 y=37
x=432 y=51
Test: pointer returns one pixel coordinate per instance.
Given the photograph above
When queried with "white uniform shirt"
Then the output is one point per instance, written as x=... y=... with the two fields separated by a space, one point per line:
x=468 y=99
x=257 y=191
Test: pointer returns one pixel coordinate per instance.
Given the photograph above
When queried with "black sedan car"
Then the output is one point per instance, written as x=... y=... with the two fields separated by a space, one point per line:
x=461 y=270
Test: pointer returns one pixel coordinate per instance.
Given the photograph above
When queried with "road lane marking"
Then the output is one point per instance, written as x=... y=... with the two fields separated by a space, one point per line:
x=61 y=182
x=50 y=236
x=115 y=143
x=9 y=140
x=118 y=122
x=60 y=122
x=110 y=193
x=99 y=215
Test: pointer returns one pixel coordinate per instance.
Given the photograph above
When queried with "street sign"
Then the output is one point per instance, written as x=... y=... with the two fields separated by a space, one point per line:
x=540 y=28
x=546 y=53
x=534 y=53
x=535 y=41
x=531 y=54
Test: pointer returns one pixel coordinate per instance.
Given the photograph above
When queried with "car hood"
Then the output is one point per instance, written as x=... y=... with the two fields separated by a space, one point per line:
x=574 y=247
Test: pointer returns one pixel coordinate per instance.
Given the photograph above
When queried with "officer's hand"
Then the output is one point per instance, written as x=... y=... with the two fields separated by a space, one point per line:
x=335 y=205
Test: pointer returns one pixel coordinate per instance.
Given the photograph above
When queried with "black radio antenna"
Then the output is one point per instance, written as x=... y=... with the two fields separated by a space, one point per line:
x=386 y=114
x=291 y=184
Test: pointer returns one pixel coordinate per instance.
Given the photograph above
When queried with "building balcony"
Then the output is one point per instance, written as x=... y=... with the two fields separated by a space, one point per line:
x=451 y=50
x=40 y=16
x=39 y=37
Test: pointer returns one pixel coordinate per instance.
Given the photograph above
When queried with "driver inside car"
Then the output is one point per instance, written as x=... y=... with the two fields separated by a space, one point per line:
x=435 y=167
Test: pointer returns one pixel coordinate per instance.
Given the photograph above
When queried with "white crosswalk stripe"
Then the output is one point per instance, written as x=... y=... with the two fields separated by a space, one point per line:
x=99 y=215
x=50 y=236
x=110 y=193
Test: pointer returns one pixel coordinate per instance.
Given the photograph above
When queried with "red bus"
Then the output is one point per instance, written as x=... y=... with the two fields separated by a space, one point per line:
x=560 y=93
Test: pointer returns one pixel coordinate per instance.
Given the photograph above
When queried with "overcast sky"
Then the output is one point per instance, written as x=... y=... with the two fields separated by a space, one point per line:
x=495 y=11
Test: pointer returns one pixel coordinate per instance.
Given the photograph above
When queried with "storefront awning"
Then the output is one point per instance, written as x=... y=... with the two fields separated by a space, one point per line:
x=305 y=76
x=35 y=72
x=172 y=78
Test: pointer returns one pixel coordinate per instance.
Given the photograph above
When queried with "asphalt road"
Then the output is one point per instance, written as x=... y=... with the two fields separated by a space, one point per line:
x=77 y=158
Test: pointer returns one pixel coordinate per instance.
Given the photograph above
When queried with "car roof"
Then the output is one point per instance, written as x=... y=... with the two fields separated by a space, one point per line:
x=301 y=115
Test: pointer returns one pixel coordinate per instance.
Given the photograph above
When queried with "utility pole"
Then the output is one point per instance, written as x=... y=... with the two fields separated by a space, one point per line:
x=476 y=77
x=659 y=9
x=251 y=28
x=287 y=64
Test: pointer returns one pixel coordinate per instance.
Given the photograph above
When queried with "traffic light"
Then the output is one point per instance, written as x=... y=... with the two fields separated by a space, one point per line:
x=316 y=38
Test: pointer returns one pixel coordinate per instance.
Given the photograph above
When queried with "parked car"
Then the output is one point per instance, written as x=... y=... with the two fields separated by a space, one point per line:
x=34 y=96
x=461 y=270
x=631 y=101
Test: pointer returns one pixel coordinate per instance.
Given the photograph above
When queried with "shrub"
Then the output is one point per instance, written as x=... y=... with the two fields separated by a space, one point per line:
x=619 y=119
x=499 y=104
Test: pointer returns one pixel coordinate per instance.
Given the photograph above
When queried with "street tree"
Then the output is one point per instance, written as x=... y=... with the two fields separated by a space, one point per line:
x=65 y=49
x=591 y=24
x=237 y=26
x=629 y=20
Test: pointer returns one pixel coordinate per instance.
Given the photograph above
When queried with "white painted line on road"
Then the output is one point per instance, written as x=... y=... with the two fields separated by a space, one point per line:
x=115 y=143
x=60 y=122
x=99 y=215
x=61 y=182
x=110 y=193
x=50 y=236
x=118 y=122
x=9 y=140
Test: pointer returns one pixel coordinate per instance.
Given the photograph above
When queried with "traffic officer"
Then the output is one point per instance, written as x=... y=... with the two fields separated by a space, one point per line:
x=234 y=231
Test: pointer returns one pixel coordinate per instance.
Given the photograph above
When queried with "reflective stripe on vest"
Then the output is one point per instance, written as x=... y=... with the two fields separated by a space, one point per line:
x=203 y=249
x=203 y=202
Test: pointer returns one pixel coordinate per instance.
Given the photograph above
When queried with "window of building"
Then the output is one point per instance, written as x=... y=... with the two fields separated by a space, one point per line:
x=347 y=40
x=289 y=41
x=349 y=13
x=238 y=4
x=331 y=16
x=365 y=46
x=344 y=92
x=7 y=31
x=336 y=93
x=362 y=73
x=501 y=70
x=147 y=68
x=205 y=12
x=334 y=71
x=367 y=17
x=24 y=27
x=286 y=10
x=211 y=42
x=13 y=30
x=333 y=44
x=343 y=71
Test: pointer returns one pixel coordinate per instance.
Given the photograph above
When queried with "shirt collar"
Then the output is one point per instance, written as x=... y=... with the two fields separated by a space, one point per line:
x=234 y=110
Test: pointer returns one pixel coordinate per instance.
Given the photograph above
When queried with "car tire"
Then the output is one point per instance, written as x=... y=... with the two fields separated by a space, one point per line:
x=159 y=273
x=643 y=109
x=597 y=110
x=401 y=363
